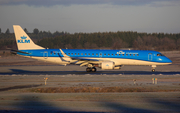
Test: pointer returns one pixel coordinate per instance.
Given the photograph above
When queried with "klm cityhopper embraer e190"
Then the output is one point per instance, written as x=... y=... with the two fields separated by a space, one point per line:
x=104 y=59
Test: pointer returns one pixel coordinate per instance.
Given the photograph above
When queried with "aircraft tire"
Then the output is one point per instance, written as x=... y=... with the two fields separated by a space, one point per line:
x=88 y=69
x=153 y=70
x=93 y=69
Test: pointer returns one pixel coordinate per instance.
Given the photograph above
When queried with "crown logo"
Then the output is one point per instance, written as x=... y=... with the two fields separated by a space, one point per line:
x=23 y=37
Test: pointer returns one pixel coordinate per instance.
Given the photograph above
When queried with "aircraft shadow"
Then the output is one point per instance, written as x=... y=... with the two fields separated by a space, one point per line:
x=19 y=71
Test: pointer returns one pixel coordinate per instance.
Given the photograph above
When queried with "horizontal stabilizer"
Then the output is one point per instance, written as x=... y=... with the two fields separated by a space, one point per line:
x=16 y=51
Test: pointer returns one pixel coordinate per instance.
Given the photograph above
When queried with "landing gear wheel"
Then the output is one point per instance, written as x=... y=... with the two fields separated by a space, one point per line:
x=153 y=70
x=88 y=69
x=93 y=69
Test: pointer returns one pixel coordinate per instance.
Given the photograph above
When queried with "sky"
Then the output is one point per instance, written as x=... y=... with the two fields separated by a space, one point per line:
x=87 y=16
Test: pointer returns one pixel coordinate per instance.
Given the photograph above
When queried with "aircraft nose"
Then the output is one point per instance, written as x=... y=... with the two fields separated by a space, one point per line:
x=168 y=60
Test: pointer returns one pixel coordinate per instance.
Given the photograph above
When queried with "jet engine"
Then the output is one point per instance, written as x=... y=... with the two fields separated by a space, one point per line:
x=107 y=65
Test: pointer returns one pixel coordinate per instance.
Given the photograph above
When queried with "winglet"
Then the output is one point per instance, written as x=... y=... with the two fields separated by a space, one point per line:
x=65 y=58
x=64 y=54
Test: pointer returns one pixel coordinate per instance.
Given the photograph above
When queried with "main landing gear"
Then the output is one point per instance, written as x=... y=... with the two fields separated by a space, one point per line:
x=89 y=69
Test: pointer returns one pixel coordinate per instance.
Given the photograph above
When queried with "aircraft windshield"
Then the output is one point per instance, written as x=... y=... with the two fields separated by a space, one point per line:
x=160 y=54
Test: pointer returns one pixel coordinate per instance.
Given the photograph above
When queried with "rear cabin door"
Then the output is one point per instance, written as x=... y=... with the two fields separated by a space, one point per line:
x=45 y=54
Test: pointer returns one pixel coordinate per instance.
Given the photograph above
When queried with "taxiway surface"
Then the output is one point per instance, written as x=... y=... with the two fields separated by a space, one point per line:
x=22 y=79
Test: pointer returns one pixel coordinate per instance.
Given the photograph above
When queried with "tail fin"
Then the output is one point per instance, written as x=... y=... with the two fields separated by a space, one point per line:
x=23 y=41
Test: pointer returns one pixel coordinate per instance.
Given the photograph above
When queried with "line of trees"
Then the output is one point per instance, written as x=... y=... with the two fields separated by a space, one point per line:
x=114 y=40
x=98 y=40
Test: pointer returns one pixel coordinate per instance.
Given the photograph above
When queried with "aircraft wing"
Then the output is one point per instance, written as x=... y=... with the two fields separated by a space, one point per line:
x=84 y=61
x=81 y=61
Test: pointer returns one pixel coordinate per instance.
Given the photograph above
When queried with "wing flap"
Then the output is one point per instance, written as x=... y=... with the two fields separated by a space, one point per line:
x=83 y=59
x=80 y=60
x=85 y=63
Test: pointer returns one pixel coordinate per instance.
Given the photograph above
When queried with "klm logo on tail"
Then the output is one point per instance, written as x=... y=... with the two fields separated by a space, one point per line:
x=23 y=40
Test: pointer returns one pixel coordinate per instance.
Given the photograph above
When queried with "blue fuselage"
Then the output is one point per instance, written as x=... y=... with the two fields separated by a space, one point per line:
x=141 y=55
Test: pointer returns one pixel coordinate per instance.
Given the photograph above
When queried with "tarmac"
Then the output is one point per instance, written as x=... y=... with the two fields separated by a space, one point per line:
x=22 y=78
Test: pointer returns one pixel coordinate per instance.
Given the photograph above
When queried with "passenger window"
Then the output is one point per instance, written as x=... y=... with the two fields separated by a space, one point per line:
x=112 y=54
x=81 y=53
x=126 y=54
x=122 y=54
x=115 y=54
x=71 y=53
x=137 y=54
x=96 y=54
x=75 y=53
x=130 y=54
x=93 y=54
x=108 y=54
x=85 y=54
x=68 y=53
x=78 y=53
x=133 y=54
x=89 y=54
x=104 y=54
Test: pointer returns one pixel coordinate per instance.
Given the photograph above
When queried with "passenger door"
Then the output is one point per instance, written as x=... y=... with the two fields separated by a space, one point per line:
x=45 y=54
x=150 y=56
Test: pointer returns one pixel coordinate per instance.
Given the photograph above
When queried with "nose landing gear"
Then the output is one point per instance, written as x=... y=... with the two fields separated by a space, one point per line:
x=153 y=68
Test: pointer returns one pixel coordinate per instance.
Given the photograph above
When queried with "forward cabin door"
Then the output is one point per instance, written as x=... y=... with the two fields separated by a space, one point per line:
x=150 y=56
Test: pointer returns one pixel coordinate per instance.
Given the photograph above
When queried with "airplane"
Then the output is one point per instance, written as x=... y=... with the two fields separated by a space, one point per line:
x=92 y=58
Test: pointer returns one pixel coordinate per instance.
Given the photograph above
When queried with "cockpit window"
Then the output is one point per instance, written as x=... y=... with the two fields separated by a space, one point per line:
x=160 y=55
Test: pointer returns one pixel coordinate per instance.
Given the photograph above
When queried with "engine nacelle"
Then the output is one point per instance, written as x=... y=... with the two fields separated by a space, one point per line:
x=117 y=67
x=107 y=65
